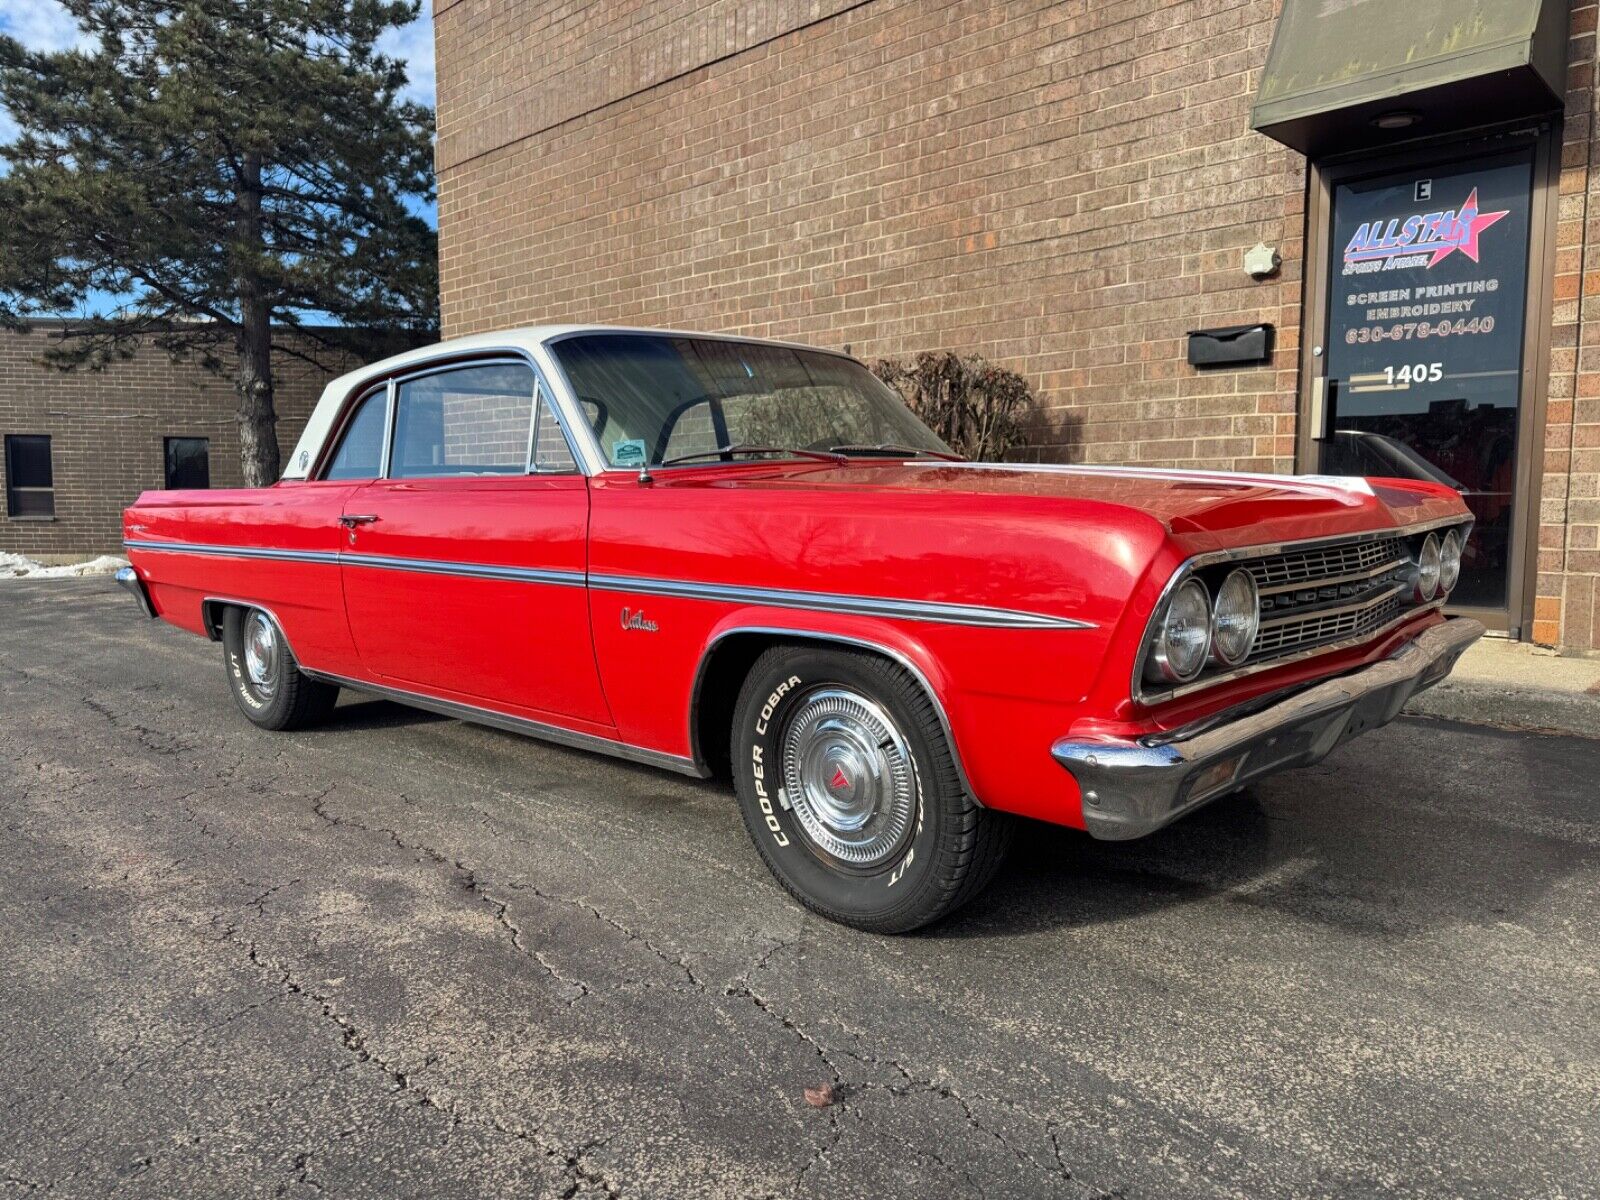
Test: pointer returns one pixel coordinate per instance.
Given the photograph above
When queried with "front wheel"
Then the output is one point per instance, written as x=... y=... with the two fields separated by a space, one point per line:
x=266 y=681
x=850 y=790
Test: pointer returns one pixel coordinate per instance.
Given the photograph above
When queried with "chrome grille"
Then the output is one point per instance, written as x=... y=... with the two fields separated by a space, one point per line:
x=1318 y=628
x=1324 y=562
x=1314 y=597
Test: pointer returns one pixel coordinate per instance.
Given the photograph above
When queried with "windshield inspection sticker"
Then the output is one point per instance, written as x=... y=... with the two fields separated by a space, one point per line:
x=628 y=452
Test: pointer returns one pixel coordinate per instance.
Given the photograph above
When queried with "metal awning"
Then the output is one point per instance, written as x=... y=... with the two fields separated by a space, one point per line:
x=1424 y=66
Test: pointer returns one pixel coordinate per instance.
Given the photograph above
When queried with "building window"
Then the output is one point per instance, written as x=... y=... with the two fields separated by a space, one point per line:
x=188 y=463
x=30 y=482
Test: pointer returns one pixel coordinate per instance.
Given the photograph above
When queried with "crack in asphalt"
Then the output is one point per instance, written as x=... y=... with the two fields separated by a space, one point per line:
x=740 y=989
x=470 y=881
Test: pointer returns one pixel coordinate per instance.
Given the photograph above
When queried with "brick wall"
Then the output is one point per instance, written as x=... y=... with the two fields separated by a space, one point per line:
x=107 y=430
x=1567 y=611
x=1066 y=186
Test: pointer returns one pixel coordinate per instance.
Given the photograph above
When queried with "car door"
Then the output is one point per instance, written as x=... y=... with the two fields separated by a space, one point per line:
x=464 y=565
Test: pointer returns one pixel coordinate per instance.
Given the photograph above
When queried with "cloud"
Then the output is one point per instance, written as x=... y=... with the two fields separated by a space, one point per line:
x=45 y=25
x=414 y=44
x=39 y=24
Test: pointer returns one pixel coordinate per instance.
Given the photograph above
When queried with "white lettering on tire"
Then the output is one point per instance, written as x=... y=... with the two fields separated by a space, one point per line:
x=758 y=770
x=242 y=687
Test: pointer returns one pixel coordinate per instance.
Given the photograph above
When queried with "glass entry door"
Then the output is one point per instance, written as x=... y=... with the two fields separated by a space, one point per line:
x=1425 y=328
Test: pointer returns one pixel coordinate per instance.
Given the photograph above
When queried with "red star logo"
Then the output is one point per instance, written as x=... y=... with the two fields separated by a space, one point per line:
x=1469 y=224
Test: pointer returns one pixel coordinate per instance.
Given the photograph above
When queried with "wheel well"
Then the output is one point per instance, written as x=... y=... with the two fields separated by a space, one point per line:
x=723 y=674
x=717 y=691
x=211 y=612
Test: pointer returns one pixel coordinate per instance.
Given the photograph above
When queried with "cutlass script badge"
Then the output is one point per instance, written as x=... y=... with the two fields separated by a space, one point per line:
x=637 y=620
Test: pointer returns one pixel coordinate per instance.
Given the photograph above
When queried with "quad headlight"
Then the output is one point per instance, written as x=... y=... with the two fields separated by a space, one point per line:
x=1429 y=566
x=1183 y=639
x=1450 y=561
x=1235 y=618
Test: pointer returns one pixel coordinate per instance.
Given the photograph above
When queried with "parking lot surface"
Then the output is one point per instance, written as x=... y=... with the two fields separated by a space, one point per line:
x=403 y=956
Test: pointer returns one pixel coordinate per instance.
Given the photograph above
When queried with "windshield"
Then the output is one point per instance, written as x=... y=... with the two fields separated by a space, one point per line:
x=650 y=398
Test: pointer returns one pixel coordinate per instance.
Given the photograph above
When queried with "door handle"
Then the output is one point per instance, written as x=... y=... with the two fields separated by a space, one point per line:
x=1317 y=418
x=350 y=521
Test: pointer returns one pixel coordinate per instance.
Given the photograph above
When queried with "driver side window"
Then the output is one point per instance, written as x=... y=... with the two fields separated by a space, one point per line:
x=464 y=421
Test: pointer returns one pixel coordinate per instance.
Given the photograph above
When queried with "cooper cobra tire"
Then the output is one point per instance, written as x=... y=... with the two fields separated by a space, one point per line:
x=850 y=792
x=267 y=683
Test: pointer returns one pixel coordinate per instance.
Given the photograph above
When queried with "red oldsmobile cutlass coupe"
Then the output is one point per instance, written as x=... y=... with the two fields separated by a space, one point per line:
x=732 y=557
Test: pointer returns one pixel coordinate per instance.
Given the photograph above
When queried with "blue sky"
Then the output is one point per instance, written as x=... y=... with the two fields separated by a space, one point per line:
x=45 y=25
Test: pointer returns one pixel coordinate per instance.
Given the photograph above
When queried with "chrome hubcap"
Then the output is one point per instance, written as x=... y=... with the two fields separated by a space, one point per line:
x=848 y=778
x=260 y=651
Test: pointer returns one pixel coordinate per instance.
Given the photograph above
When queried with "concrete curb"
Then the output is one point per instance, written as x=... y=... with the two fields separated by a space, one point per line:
x=1505 y=708
x=1513 y=686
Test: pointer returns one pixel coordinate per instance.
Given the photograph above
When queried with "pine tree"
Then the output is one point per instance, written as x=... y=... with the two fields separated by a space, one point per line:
x=231 y=172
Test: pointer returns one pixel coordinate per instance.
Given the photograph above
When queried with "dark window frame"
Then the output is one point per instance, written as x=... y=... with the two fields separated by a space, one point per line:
x=15 y=490
x=166 y=462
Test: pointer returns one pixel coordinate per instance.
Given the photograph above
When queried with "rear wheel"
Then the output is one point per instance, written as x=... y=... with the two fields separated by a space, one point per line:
x=265 y=679
x=850 y=791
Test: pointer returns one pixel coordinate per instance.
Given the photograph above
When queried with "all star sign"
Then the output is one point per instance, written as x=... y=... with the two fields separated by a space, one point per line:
x=1423 y=240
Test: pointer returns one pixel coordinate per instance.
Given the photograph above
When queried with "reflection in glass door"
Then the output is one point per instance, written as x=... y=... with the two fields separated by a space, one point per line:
x=1426 y=304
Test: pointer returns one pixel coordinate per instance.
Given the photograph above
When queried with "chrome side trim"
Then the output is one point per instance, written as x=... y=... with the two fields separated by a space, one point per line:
x=433 y=566
x=423 y=566
x=864 y=606
x=329 y=557
x=812 y=636
x=542 y=730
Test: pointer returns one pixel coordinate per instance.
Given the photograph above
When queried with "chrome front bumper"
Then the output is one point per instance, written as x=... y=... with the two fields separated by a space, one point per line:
x=128 y=579
x=1131 y=788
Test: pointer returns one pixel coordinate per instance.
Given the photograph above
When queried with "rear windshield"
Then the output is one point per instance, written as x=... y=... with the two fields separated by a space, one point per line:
x=650 y=398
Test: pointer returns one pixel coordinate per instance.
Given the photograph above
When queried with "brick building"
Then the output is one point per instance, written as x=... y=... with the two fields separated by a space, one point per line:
x=1070 y=187
x=79 y=446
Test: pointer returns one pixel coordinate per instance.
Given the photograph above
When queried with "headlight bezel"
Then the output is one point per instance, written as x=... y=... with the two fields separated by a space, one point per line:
x=1428 y=569
x=1450 y=552
x=1243 y=578
x=1161 y=660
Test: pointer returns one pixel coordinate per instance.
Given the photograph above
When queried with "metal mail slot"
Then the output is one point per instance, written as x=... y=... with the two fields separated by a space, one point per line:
x=1231 y=346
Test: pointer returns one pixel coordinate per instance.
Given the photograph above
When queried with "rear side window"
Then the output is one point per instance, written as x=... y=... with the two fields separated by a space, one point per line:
x=467 y=421
x=360 y=453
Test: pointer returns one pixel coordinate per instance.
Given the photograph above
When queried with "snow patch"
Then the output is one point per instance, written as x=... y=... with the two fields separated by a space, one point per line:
x=17 y=566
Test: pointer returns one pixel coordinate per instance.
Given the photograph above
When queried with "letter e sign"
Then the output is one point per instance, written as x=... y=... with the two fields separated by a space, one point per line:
x=1424 y=190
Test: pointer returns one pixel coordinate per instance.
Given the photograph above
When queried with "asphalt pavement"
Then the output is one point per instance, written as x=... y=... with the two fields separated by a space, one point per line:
x=402 y=956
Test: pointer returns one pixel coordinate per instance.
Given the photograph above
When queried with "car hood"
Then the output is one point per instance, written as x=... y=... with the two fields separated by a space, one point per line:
x=1233 y=507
